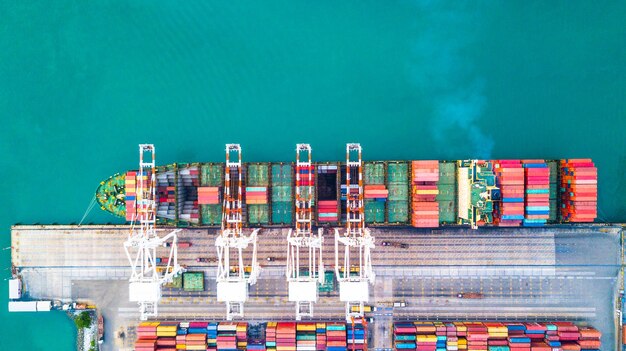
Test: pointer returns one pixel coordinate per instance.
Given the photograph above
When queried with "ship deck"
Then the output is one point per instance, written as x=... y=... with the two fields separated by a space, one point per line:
x=550 y=273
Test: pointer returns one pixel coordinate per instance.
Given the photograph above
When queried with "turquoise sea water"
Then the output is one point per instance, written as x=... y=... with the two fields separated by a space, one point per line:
x=82 y=83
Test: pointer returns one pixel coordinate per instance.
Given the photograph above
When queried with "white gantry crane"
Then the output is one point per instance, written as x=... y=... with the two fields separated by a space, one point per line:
x=303 y=285
x=354 y=279
x=142 y=243
x=233 y=281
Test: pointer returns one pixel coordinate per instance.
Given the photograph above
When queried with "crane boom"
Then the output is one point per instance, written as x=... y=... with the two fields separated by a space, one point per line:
x=303 y=285
x=233 y=280
x=354 y=279
x=143 y=241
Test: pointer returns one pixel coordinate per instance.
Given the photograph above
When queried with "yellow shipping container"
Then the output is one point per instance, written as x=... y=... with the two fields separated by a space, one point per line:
x=181 y=346
x=425 y=191
x=166 y=333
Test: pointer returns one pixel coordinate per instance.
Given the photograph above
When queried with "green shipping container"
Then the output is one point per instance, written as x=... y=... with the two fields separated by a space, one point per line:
x=398 y=192
x=211 y=214
x=447 y=211
x=374 y=173
x=193 y=281
x=282 y=174
x=258 y=174
x=258 y=214
x=447 y=173
x=281 y=193
x=282 y=213
x=397 y=173
x=374 y=211
x=176 y=283
x=447 y=192
x=397 y=211
x=212 y=175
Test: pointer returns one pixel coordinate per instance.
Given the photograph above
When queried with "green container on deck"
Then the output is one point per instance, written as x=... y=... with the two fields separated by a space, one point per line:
x=447 y=173
x=212 y=175
x=282 y=175
x=447 y=192
x=398 y=192
x=397 y=173
x=211 y=214
x=176 y=283
x=374 y=211
x=258 y=174
x=374 y=173
x=281 y=193
x=193 y=281
x=397 y=211
x=258 y=214
x=447 y=211
x=281 y=212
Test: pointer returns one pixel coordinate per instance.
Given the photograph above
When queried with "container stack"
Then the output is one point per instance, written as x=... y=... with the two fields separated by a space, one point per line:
x=256 y=195
x=211 y=175
x=537 y=202
x=327 y=211
x=425 y=175
x=196 y=338
x=426 y=338
x=327 y=205
x=398 y=185
x=227 y=336
x=356 y=337
x=305 y=336
x=336 y=337
x=589 y=339
x=354 y=190
x=579 y=189
x=166 y=336
x=130 y=186
x=286 y=336
x=554 y=190
x=447 y=197
x=208 y=195
x=434 y=336
x=181 y=336
x=166 y=194
x=146 y=336
x=374 y=191
x=242 y=335
x=211 y=336
x=282 y=193
x=510 y=180
x=270 y=336
x=404 y=336
x=188 y=182
x=320 y=336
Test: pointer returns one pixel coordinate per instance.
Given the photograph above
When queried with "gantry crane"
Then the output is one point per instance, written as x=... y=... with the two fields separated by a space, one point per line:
x=142 y=242
x=354 y=279
x=303 y=285
x=233 y=281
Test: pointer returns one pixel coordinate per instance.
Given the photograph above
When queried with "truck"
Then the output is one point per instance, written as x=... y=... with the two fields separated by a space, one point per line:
x=181 y=244
x=470 y=295
x=395 y=244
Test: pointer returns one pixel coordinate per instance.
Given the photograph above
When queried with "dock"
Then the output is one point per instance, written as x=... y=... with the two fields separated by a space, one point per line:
x=550 y=273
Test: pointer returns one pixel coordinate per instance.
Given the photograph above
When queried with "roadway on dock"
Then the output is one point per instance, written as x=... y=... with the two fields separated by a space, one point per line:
x=523 y=274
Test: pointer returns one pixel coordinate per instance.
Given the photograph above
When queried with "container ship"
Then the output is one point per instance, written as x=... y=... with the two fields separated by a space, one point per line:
x=417 y=193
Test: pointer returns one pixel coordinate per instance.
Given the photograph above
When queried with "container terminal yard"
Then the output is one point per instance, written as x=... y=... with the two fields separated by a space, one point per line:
x=414 y=255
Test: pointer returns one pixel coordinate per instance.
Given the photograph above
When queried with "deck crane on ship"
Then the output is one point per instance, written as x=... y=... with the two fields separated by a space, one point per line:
x=303 y=285
x=143 y=240
x=233 y=281
x=354 y=280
